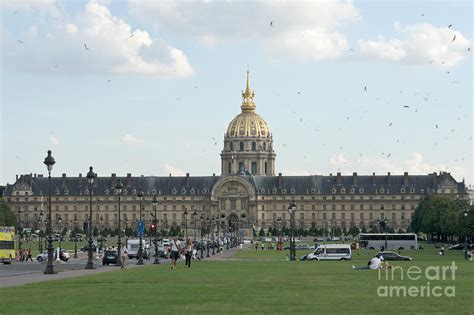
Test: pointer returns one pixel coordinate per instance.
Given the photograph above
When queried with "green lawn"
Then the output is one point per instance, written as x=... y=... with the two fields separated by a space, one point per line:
x=250 y=282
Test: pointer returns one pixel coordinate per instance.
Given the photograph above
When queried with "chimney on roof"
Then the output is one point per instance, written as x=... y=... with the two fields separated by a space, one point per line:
x=405 y=178
x=338 y=178
x=40 y=175
x=388 y=179
x=63 y=180
x=280 y=180
x=434 y=177
x=34 y=175
x=129 y=179
x=373 y=178
x=16 y=177
x=114 y=179
x=330 y=174
x=213 y=174
x=187 y=179
x=354 y=178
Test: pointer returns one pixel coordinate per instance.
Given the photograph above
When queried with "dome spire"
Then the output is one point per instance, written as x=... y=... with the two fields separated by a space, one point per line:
x=248 y=103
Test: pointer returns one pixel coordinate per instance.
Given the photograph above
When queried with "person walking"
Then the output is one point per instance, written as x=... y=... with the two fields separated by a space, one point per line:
x=175 y=247
x=188 y=252
x=256 y=246
x=123 y=257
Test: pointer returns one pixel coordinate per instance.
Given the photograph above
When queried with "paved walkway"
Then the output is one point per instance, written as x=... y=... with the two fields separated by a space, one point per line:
x=35 y=276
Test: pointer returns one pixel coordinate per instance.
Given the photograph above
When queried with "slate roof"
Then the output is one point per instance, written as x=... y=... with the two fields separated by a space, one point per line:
x=269 y=185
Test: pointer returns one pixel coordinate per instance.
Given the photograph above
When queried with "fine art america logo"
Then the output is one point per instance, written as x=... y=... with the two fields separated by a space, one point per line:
x=436 y=281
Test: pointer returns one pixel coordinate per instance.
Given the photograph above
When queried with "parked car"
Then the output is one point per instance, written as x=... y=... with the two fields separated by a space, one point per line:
x=331 y=252
x=298 y=247
x=393 y=256
x=110 y=257
x=461 y=246
x=64 y=255
x=163 y=251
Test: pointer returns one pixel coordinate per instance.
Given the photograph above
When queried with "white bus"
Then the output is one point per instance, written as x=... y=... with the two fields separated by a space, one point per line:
x=389 y=241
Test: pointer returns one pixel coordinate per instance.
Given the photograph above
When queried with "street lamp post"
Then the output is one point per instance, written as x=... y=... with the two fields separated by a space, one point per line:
x=383 y=224
x=49 y=162
x=186 y=224
x=212 y=236
x=119 y=188
x=466 y=214
x=279 y=232
x=20 y=241
x=195 y=227
x=140 y=236
x=208 y=224
x=155 y=221
x=101 y=219
x=90 y=178
x=202 y=242
x=292 y=210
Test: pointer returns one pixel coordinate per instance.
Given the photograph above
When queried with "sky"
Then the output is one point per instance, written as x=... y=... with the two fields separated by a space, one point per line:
x=149 y=87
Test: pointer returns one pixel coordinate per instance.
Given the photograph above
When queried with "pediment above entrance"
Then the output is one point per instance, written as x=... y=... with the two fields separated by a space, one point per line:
x=233 y=186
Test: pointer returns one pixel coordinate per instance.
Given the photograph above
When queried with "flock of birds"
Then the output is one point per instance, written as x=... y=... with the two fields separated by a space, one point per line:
x=317 y=127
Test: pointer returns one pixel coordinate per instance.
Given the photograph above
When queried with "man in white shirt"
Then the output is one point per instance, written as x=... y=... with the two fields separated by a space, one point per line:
x=175 y=248
x=374 y=264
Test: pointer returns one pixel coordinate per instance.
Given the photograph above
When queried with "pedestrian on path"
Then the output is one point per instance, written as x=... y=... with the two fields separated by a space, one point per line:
x=175 y=247
x=123 y=257
x=188 y=252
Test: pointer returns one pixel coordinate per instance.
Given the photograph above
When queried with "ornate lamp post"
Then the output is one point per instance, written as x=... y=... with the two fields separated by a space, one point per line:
x=140 y=248
x=20 y=241
x=90 y=179
x=185 y=213
x=208 y=224
x=466 y=214
x=279 y=232
x=195 y=226
x=60 y=222
x=383 y=224
x=202 y=242
x=292 y=210
x=49 y=162
x=213 y=239
x=155 y=221
x=101 y=219
x=119 y=188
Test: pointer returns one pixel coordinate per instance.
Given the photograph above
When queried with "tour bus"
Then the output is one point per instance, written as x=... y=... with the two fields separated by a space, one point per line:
x=7 y=244
x=331 y=252
x=389 y=241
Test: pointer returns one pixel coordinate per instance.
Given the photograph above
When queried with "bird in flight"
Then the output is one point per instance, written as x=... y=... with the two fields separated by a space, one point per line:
x=406 y=106
x=454 y=37
x=431 y=61
x=20 y=41
x=449 y=26
x=437 y=126
x=85 y=47
x=365 y=88
x=390 y=124
x=271 y=23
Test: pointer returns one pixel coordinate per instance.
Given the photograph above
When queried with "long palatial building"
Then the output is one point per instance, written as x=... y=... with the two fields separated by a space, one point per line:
x=247 y=189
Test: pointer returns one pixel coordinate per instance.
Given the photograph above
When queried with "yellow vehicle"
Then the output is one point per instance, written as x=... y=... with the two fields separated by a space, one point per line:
x=7 y=244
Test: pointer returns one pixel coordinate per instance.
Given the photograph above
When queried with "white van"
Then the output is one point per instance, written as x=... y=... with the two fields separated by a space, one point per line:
x=133 y=247
x=331 y=252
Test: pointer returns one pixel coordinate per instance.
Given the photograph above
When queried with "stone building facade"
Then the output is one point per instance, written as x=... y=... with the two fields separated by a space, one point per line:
x=247 y=190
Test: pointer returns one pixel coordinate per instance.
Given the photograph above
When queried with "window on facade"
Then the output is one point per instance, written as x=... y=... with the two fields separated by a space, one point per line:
x=343 y=216
x=343 y=207
x=313 y=207
x=333 y=216
x=333 y=207
x=371 y=216
x=324 y=216
x=254 y=168
x=254 y=146
x=324 y=207
x=313 y=216
x=231 y=145
x=263 y=207
x=393 y=216
x=174 y=216
x=232 y=204
x=274 y=216
x=75 y=216
x=266 y=168
x=241 y=144
x=263 y=216
x=361 y=207
x=265 y=146
x=361 y=215
x=229 y=168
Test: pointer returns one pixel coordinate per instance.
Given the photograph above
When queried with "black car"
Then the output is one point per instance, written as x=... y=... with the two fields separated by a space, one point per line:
x=393 y=256
x=110 y=257
x=461 y=246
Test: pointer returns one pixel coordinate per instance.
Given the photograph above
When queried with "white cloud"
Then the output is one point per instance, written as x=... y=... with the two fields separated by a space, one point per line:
x=114 y=48
x=170 y=169
x=305 y=30
x=415 y=164
x=419 y=44
x=130 y=140
x=53 y=139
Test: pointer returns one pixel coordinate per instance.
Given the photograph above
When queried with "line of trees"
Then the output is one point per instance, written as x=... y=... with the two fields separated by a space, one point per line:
x=444 y=219
x=7 y=217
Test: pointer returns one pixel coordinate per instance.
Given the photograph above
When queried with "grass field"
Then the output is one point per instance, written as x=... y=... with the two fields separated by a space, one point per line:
x=250 y=282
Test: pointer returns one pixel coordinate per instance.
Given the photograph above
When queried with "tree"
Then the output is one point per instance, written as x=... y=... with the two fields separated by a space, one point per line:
x=270 y=231
x=262 y=232
x=95 y=232
x=364 y=230
x=7 y=217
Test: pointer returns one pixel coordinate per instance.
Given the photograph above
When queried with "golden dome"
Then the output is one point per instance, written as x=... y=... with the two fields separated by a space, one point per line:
x=248 y=124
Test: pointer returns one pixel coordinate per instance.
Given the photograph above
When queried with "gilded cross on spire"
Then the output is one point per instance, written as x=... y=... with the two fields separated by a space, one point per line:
x=248 y=103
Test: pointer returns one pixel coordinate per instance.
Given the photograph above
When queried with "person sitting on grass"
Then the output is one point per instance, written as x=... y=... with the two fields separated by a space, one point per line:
x=374 y=264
